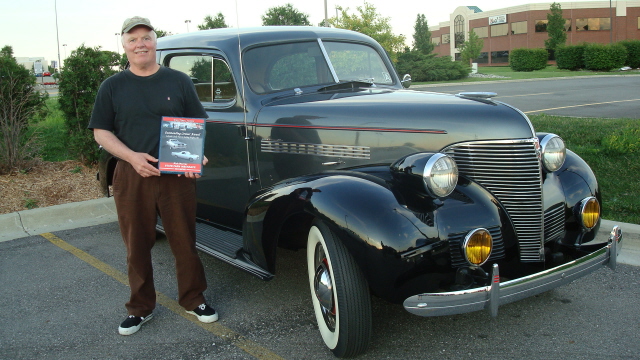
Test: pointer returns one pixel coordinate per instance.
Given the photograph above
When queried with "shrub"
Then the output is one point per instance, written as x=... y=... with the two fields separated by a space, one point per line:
x=85 y=69
x=599 y=57
x=626 y=141
x=20 y=102
x=570 y=57
x=633 y=52
x=528 y=59
x=430 y=68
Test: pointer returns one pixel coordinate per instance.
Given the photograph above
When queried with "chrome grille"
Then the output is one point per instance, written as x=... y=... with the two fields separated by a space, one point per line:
x=554 y=222
x=343 y=151
x=510 y=169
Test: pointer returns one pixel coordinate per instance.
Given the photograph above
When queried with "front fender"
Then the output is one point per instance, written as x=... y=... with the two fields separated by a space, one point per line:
x=396 y=236
x=578 y=182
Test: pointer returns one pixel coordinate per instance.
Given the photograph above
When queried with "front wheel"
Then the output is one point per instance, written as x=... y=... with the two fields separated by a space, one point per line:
x=339 y=293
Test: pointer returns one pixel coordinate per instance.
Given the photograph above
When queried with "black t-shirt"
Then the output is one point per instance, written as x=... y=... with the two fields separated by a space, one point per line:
x=133 y=106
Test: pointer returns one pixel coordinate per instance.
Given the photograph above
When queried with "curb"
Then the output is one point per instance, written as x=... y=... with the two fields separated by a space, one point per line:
x=58 y=217
x=101 y=211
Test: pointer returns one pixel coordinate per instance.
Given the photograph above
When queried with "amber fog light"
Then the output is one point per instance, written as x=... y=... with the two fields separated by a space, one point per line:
x=589 y=212
x=477 y=246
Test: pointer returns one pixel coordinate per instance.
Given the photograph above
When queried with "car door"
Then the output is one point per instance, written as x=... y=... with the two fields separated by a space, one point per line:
x=223 y=189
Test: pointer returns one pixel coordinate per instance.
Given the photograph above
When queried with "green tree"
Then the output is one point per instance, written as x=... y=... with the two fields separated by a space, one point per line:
x=80 y=80
x=284 y=15
x=370 y=23
x=20 y=102
x=162 y=33
x=422 y=35
x=471 y=48
x=555 y=28
x=213 y=23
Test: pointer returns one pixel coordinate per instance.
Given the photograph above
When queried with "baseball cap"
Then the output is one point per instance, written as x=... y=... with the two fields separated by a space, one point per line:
x=132 y=22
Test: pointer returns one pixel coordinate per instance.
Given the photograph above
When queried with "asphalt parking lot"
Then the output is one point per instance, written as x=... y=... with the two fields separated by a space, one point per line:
x=64 y=286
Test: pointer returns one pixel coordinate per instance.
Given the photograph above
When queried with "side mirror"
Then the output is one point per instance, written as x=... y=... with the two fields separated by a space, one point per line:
x=406 y=81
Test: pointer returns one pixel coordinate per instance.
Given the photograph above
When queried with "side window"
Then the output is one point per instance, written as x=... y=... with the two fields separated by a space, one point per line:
x=211 y=77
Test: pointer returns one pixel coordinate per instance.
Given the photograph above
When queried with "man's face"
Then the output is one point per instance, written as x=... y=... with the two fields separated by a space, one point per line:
x=140 y=46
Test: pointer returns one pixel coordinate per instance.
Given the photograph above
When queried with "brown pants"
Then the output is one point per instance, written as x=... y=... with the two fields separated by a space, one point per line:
x=138 y=201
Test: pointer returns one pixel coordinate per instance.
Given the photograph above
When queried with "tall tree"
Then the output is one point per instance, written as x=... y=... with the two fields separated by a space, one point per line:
x=20 y=102
x=370 y=23
x=85 y=69
x=162 y=33
x=471 y=48
x=213 y=23
x=285 y=15
x=555 y=28
x=422 y=35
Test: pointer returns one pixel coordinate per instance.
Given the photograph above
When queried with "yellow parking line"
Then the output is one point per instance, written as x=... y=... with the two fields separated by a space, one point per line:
x=215 y=328
x=573 y=106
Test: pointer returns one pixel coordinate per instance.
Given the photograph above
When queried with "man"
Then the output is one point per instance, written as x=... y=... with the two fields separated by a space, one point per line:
x=126 y=122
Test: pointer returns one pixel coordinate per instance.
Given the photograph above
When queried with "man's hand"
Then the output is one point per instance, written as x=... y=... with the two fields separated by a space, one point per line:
x=140 y=162
x=191 y=175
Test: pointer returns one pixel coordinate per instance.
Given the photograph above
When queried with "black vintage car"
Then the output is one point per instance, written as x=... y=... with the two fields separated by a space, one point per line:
x=444 y=203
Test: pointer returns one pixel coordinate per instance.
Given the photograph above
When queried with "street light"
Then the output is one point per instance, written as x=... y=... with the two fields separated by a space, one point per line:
x=117 y=43
x=187 y=22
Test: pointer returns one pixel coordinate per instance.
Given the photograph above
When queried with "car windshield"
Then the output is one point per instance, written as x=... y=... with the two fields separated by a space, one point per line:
x=296 y=65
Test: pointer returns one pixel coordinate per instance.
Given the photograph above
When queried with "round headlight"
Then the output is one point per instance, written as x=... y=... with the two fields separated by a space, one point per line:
x=553 y=152
x=589 y=212
x=477 y=246
x=440 y=175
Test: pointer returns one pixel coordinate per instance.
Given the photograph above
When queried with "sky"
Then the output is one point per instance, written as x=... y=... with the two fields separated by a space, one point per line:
x=30 y=26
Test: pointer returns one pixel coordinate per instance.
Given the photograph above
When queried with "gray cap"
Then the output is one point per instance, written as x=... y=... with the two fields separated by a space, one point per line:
x=132 y=22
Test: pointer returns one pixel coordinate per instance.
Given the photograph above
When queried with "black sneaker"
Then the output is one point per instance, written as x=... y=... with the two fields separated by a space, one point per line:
x=204 y=313
x=132 y=324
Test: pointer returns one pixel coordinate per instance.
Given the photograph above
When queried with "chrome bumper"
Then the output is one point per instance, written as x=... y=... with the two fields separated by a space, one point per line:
x=492 y=296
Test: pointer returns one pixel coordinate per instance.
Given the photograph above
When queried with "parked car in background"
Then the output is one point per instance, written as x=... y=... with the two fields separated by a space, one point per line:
x=175 y=144
x=185 y=155
x=443 y=203
x=46 y=73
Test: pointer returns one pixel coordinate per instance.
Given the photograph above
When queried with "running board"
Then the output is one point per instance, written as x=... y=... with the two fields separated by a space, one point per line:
x=225 y=246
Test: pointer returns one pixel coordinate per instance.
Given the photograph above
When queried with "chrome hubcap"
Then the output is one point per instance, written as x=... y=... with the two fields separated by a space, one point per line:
x=323 y=287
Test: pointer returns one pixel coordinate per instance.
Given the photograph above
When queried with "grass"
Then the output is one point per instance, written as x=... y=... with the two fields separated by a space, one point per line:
x=549 y=72
x=53 y=134
x=611 y=147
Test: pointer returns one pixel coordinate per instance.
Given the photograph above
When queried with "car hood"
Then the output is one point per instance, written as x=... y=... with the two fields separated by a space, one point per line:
x=438 y=119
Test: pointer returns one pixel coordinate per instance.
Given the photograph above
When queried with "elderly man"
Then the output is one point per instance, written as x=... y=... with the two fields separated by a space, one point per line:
x=126 y=122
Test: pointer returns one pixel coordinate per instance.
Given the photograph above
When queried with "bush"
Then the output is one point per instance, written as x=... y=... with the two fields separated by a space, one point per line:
x=430 y=68
x=528 y=59
x=570 y=57
x=85 y=69
x=626 y=141
x=599 y=57
x=633 y=52
x=20 y=102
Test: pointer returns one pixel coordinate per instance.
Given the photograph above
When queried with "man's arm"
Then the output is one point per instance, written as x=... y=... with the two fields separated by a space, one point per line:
x=139 y=161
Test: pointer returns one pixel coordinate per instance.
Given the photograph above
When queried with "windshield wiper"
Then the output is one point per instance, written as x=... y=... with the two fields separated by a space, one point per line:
x=349 y=84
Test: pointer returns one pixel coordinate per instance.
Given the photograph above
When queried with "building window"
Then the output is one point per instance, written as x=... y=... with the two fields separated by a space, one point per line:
x=593 y=24
x=446 y=38
x=482 y=32
x=458 y=30
x=435 y=40
x=541 y=25
x=499 y=57
x=483 y=59
x=519 y=27
x=499 y=30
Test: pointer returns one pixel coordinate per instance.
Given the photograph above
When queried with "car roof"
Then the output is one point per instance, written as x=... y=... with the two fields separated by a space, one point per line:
x=227 y=39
